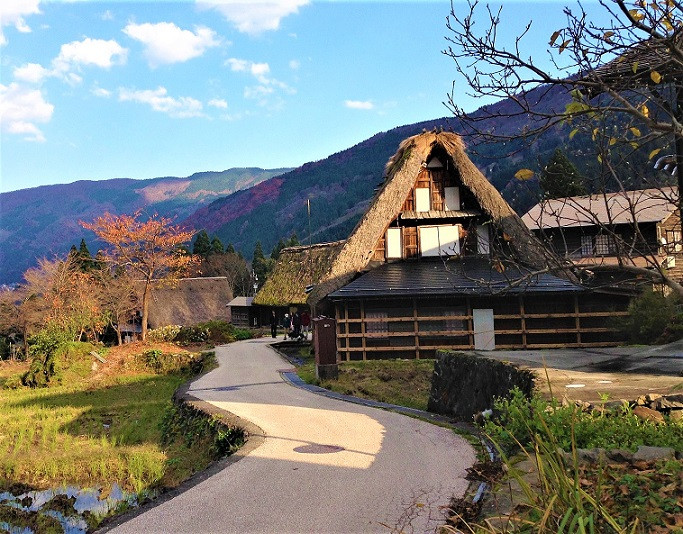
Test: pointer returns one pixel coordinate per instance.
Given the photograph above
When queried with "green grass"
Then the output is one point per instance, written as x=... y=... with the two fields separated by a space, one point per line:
x=92 y=433
x=401 y=382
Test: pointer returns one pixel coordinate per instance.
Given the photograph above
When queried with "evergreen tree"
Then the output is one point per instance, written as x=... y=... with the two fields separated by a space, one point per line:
x=82 y=257
x=293 y=241
x=275 y=254
x=230 y=249
x=259 y=264
x=216 y=246
x=202 y=245
x=560 y=178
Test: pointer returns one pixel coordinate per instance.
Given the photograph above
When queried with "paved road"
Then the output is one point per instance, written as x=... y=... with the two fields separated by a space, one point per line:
x=324 y=466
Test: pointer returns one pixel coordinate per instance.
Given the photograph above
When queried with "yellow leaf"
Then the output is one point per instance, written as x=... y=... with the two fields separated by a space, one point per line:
x=637 y=15
x=667 y=24
x=654 y=153
x=599 y=158
x=635 y=131
x=634 y=145
x=612 y=141
x=573 y=133
x=554 y=37
x=607 y=36
x=656 y=77
x=644 y=110
x=634 y=67
x=563 y=46
x=524 y=174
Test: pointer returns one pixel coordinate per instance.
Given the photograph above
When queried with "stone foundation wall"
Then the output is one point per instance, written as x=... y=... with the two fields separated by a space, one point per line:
x=464 y=384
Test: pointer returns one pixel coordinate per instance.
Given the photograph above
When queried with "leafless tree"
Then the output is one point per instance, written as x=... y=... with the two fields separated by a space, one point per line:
x=623 y=87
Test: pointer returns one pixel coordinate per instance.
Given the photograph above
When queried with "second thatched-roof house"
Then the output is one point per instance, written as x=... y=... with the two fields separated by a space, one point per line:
x=190 y=301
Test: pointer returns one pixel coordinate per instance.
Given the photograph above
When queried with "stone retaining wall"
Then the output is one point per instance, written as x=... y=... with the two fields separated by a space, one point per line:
x=464 y=384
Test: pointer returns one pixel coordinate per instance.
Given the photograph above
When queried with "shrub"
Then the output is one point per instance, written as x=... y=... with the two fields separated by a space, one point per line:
x=45 y=366
x=162 y=363
x=519 y=419
x=649 y=315
x=164 y=333
x=215 y=331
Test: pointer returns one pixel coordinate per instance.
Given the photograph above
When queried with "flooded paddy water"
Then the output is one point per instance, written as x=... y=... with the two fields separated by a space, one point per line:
x=76 y=510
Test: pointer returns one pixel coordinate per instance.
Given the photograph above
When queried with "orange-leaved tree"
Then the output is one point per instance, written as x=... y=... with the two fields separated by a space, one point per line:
x=150 y=250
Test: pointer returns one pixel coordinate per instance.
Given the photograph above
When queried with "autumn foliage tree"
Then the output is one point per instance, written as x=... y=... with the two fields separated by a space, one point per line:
x=149 y=250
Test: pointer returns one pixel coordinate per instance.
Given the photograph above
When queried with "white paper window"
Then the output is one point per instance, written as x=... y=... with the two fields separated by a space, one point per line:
x=422 y=199
x=452 y=198
x=439 y=240
x=483 y=240
x=586 y=245
x=394 y=243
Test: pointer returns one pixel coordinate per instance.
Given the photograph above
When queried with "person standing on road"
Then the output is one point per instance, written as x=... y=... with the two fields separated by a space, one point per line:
x=273 y=324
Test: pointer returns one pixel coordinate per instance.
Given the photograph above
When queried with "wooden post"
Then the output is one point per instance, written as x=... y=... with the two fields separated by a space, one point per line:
x=415 y=330
x=363 y=330
x=577 y=319
x=522 y=319
x=470 y=326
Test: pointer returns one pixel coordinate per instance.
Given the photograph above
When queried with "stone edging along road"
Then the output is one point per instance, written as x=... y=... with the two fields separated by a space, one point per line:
x=311 y=463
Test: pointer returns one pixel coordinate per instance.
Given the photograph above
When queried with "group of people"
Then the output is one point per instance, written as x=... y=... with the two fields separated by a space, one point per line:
x=296 y=325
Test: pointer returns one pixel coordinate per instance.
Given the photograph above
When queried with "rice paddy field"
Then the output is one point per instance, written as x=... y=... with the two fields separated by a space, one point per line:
x=100 y=426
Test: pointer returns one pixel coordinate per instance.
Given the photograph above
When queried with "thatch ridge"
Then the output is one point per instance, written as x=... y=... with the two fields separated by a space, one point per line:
x=296 y=268
x=400 y=175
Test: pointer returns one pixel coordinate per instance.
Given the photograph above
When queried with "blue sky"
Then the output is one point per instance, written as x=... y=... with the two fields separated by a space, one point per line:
x=95 y=90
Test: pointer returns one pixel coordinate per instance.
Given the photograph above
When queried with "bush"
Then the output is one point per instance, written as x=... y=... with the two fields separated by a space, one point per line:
x=519 y=419
x=163 y=363
x=649 y=316
x=45 y=366
x=164 y=333
x=215 y=331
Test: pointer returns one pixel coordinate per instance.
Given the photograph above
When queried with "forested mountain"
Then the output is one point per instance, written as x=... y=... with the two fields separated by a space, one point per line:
x=341 y=186
x=270 y=205
x=43 y=221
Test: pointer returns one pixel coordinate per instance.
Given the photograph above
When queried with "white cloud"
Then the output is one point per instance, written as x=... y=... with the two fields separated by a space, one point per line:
x=21 y=108
x=254 y=16
x=100 y=92
x=12 y=13
x=238 y=65
x=295 y=64
x=218 y=103
x=72 y=56
x=31 y=73
x=96 y=52
x=107 y=15
x=166 y=43
x=358 y=104
x=266 y=85
x=159 y=100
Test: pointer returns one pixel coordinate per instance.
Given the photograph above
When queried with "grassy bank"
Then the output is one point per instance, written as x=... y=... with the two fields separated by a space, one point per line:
x=402 y=382
x=101 y=425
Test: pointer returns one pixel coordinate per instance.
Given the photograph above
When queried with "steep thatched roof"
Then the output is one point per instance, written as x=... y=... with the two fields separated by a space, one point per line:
x=401 y=173
x=296 y=268
x=189 y=301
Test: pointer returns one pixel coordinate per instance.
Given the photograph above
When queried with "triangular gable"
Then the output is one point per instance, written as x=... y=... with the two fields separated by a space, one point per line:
x=401 y=173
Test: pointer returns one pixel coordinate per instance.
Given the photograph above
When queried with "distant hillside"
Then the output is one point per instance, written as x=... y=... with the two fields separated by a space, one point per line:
x=341 y=186
x=43 y=221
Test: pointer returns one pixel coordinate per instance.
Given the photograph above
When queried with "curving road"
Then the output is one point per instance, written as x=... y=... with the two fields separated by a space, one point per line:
x=324 y=466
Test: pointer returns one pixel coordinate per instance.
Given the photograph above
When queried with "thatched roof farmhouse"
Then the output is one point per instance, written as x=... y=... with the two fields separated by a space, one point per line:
x=441 y=260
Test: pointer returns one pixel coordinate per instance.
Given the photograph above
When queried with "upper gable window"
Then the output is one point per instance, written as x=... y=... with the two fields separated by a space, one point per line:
x=422 y=199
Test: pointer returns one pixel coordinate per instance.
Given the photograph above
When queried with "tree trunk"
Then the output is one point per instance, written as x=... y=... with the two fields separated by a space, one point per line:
x=118 y=334
x=145 y=310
